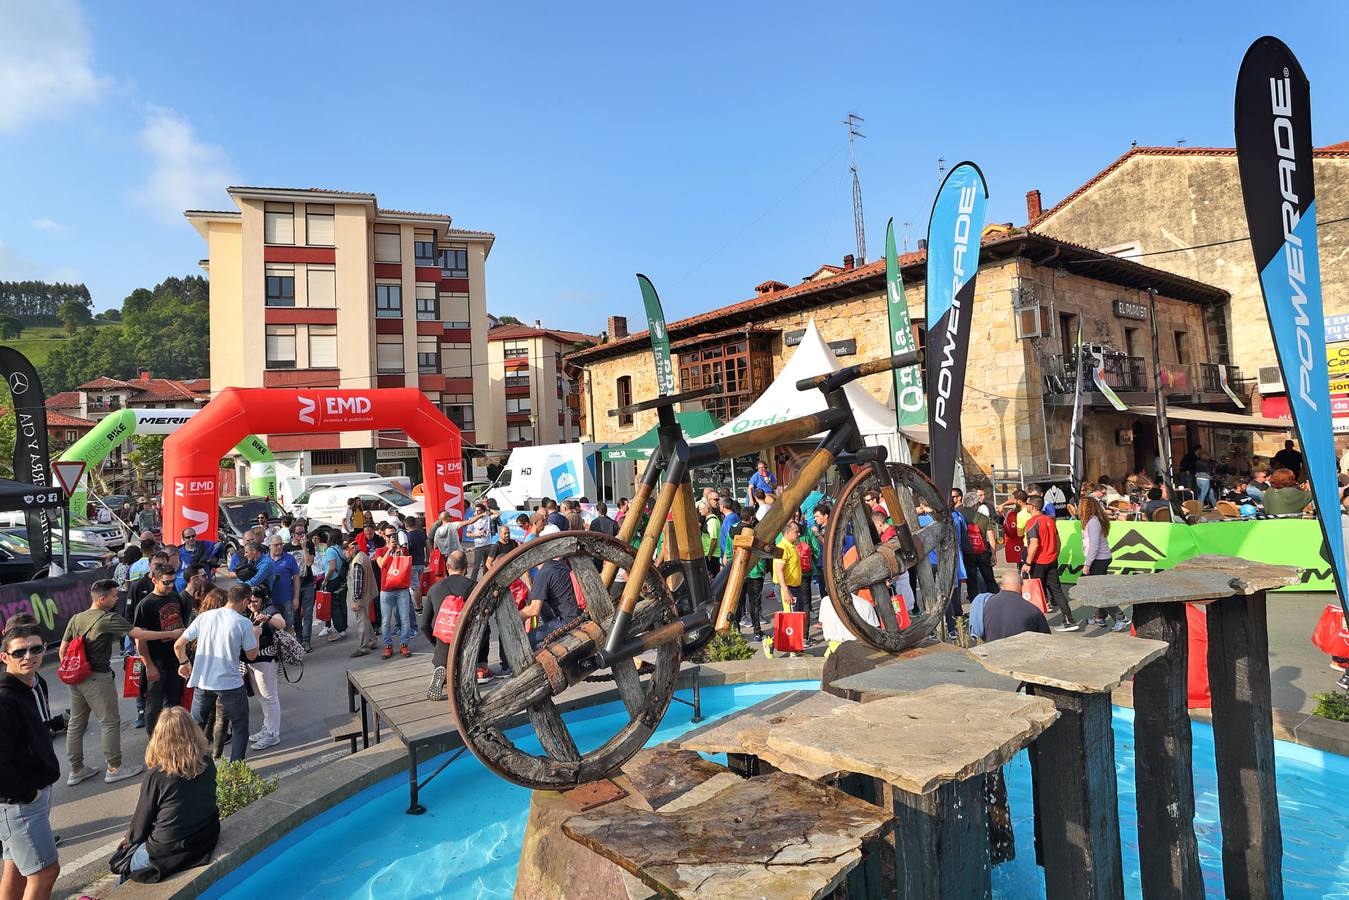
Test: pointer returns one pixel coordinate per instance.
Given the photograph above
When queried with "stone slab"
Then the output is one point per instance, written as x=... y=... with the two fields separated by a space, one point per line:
x=1171 y=586
x=662 y=773
x=1054 y=662
x=705 y=791
x=919 y=673
x=776 y=836
x=747 y=731
x=920 y=740
x=1248 y=576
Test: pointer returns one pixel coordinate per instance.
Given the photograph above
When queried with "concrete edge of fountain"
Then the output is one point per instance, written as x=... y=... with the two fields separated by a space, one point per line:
x=306 y=795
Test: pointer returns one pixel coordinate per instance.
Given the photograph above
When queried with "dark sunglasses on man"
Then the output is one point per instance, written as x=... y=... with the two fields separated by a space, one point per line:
x=30 y=650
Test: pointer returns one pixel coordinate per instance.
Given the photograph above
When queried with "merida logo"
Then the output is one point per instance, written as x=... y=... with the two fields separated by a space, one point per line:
x=1133 y=547
x=946 y=369
x=1281 y=104
x=307 y=405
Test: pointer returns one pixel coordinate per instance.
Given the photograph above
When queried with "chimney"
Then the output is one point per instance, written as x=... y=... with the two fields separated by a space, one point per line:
x=922 y=244
x=145 y=376
x=1032 y=206
x=618 y=327
x=538 y=323
x=848 y=262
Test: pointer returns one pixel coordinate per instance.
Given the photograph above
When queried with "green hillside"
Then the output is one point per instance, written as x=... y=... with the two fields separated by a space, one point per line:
x=39 y=341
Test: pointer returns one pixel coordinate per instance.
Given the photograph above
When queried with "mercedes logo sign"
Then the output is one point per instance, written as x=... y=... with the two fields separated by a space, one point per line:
x=18 y=383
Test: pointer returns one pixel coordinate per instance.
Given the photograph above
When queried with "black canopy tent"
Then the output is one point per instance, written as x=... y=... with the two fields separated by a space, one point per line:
x=15 y=495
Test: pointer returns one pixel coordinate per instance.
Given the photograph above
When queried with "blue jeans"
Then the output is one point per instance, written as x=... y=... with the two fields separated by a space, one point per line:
x=396 y=606
x=1204 y=490
x=235 y=702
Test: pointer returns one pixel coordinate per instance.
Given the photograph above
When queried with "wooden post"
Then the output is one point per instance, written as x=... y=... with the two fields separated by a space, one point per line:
x=1001 y=836
x=1243 y=738
x=1163 y=776
x=941 y=840
x=1077 y=808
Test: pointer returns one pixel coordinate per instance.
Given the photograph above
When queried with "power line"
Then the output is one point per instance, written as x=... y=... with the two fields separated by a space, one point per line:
x=1236 y=240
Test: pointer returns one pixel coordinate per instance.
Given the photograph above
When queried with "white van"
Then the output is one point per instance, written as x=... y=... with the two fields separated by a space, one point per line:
x=110 y=537
x=328 y=505
x=290 y=489
x=560 y=471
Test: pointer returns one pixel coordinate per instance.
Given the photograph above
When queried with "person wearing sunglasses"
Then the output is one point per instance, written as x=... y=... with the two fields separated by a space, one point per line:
x=28 y=769
x=162 y=610
x=192 y=551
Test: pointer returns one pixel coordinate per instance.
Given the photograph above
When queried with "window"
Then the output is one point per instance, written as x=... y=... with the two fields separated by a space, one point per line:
x=518 y=405
x=318 y=225
x=323 y=346
x=428 y=356
x=389 y=354
x=454 y=309
x=388 y=301
x=428 y=304
x=1182 y=348
x=519 y=434
x=72 y=436
x=280 y=346
x=280 y=285
x=515 y=381
x=625 y=399
x=741 y=369
x=278 y=223
x=388 y=246
x=454 y=262
x=425 y=251
x=1068 y=333
x=461 y=414
x=321 y=283
x=515 y=349
x=1131 y=342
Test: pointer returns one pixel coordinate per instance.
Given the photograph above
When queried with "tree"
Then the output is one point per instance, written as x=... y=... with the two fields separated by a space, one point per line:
x=73 y=314
x=508 y=320
x=109 y=315
x=147 y=456
x=10 y=327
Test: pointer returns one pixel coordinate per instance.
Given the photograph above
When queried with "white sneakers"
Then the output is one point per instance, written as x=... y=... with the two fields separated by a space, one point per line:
x=81 y=776
x=323 y=632
x=112 y=776
x=266 y=740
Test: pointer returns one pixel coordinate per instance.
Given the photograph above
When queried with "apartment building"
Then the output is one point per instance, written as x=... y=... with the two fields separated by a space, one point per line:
x=541 y=395
x=318 y=288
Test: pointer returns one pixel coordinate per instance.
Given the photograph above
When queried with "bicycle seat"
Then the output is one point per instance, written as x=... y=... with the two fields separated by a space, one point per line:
x=665 y=400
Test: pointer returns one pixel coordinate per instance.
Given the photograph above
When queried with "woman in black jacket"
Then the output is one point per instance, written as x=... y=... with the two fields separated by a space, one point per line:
x=176 y=824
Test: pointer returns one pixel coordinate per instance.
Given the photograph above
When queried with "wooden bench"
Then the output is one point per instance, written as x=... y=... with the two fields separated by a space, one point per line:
x=344 y=727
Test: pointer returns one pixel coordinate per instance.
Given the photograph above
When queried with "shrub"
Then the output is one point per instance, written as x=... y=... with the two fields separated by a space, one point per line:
x=1332 y=705
x=237 y=785
x=726 y=647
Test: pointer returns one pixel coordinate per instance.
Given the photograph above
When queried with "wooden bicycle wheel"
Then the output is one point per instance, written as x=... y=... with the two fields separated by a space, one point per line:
x=878 y=564
x=483 y=713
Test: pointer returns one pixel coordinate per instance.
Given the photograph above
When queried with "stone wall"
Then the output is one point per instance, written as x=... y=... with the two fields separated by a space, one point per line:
x=1003 y=414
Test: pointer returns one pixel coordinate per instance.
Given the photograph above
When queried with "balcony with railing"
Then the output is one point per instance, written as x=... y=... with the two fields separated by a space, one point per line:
x=1123 y=373
x=1199 y=383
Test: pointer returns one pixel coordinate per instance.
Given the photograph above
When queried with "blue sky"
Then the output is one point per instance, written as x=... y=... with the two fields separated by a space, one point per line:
x=698 y=143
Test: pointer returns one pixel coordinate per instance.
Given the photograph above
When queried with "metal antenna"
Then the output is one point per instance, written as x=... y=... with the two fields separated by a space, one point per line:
x=907 y=225
x=1180 y=142
x=941 y=167
x=860 y=227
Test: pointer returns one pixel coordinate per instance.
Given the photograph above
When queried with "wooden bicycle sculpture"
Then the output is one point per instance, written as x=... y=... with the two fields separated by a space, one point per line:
x=672 y=610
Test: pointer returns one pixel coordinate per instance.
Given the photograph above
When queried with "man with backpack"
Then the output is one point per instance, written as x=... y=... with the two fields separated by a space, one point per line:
x=440 y=618
x=86 y=655
x=162 y=610
x=976 y=544
x=1042 y=559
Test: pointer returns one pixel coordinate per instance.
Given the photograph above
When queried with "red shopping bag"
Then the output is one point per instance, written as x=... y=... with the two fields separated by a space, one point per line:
x=323 y=605
x=1330 y=635
x=132 y=673
x=789 y=631
x=1197 y=693
x=397 y=572
x=428 y=580
x=1033 y=592
x=187 y=699
x=447 y=618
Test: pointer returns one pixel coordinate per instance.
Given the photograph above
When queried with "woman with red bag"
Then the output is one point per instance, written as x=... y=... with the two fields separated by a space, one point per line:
x=395 y=592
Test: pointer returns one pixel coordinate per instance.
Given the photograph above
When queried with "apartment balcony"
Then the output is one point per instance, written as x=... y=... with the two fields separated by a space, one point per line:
x=1123 y=374
x=1128 y=375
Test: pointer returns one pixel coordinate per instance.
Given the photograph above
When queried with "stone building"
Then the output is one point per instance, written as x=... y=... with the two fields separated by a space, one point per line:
x=1032 y=292
x=1179 y=209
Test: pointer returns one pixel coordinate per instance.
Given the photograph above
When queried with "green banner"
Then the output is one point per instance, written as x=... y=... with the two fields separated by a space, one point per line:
x=910 y=402
x=1155 y=546
x=660 y=338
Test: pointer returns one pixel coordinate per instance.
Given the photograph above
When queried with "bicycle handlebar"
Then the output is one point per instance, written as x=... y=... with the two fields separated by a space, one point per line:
x=835 y=380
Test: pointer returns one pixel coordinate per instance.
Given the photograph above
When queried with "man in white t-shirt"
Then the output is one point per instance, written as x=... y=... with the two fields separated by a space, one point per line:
x=223 y=637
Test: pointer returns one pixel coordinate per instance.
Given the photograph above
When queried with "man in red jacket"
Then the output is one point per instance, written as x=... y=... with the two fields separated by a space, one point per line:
x=1042 y=559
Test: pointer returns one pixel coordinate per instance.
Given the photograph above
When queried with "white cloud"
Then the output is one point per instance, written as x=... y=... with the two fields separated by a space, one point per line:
x=49 y=225
x=45 y=61
x=186 y=173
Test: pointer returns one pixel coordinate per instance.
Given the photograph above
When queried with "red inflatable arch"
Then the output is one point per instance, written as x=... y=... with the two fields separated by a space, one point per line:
x=192 y=453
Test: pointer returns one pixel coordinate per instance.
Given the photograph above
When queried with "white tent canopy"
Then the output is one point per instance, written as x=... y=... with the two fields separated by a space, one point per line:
x=782 y=401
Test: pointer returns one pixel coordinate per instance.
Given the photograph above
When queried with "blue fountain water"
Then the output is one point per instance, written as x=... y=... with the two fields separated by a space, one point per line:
x=467 y=843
